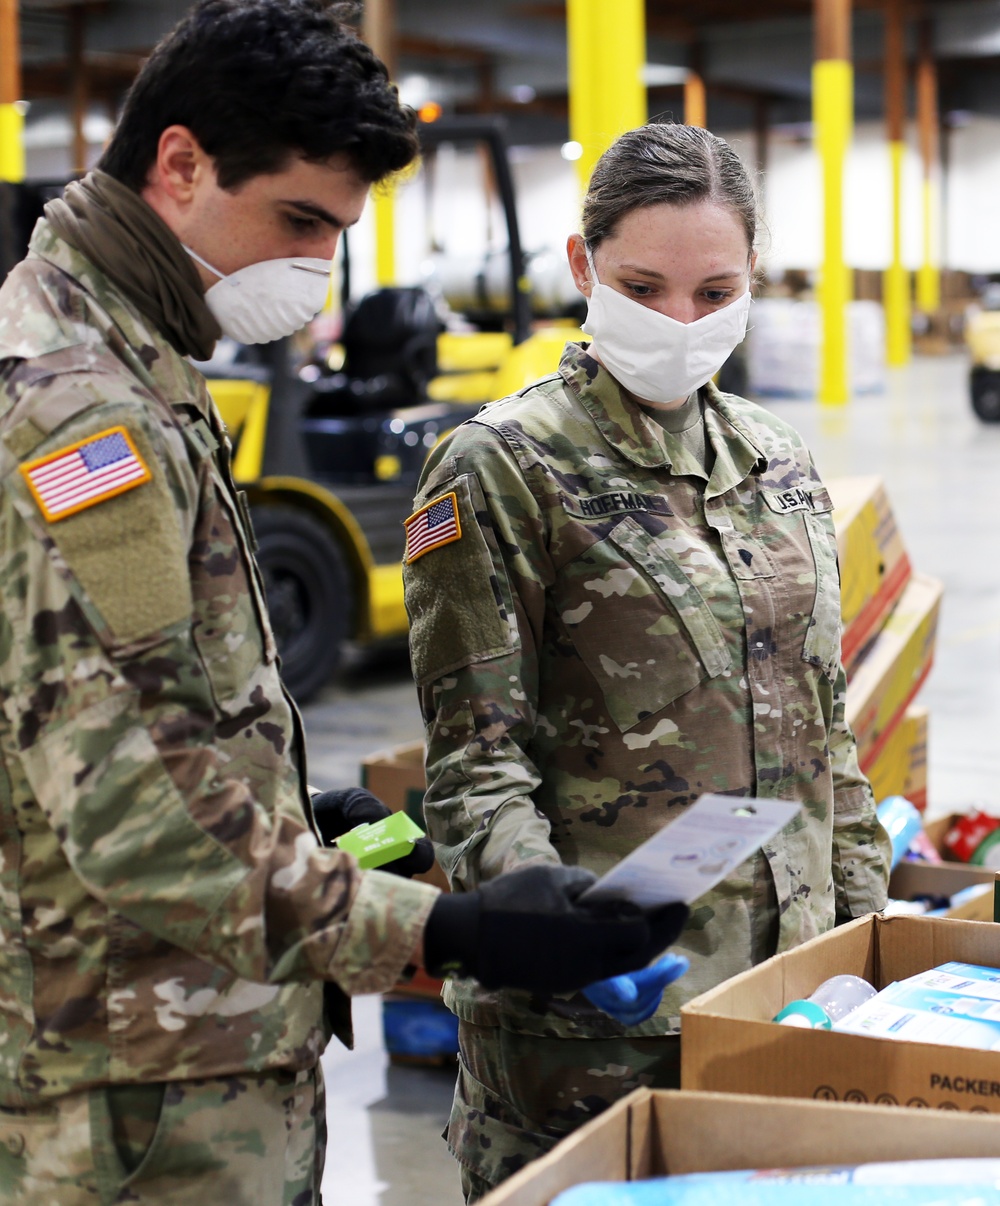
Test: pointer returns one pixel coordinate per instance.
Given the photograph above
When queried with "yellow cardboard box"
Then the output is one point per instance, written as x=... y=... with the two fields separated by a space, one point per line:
x=900 y=768
x=896 y=664
x=656 y=1133
x=874 y=566
x=729 y=1043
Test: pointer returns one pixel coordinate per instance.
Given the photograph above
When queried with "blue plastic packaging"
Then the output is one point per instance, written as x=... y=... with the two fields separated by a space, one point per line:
x=902 y=821
x=923 y=1183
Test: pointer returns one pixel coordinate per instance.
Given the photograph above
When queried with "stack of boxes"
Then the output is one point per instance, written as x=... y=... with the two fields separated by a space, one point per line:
x=889 y=614
x=889 y=624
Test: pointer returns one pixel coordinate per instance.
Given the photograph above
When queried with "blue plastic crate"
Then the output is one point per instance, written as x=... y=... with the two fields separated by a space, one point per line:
x=424 y=1029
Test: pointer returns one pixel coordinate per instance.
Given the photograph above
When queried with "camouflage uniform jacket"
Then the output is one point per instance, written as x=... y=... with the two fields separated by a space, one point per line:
x=611 y=635
x=166 y=911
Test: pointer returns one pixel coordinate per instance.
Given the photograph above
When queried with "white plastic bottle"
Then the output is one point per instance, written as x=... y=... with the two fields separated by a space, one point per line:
x=833 y=1000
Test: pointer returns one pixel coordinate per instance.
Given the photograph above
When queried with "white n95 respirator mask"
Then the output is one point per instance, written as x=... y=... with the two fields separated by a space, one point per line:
x=269 y=299
x=655 y=357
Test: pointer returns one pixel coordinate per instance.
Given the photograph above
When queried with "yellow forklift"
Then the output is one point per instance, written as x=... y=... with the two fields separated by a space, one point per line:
x=982 y=335
x=330 y=458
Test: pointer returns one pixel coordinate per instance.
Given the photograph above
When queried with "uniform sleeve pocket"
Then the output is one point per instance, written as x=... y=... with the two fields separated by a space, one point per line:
x=822 y=644
x=458 y=594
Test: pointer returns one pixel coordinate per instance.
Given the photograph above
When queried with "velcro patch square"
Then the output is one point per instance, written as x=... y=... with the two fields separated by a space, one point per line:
x=85 y=473
x=432 y=526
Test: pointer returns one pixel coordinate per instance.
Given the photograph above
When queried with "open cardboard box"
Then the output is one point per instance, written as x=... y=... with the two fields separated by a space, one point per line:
x=874 y=566
x=671 y=1132
x=729 y=1043
x=910 y=880
x=397 y=777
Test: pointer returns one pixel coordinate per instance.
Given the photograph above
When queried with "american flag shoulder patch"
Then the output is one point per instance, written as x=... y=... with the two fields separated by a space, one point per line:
x=434 y=525
x=85 y=473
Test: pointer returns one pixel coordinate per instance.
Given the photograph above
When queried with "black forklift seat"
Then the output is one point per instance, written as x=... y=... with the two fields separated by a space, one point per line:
x=390 y=355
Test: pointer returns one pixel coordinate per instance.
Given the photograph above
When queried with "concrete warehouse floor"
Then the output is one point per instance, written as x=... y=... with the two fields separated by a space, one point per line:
x=941 y=467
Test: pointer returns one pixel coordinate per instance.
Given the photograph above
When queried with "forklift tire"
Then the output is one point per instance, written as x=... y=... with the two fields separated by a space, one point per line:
x=309 y=597
x=985 y=386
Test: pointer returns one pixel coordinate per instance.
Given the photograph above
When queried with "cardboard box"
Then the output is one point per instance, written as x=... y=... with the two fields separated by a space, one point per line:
x=397 y=777
x=672 y=1132
x=900 y=767
x=729 y=1043
x=895 y=666
x=911 y=880
x=874 y=566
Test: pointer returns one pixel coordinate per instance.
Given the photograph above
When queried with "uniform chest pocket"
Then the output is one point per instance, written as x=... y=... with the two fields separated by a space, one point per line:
x=638 y=622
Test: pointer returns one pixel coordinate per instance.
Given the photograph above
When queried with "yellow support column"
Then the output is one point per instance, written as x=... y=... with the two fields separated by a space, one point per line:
x=607 y=49
x=384 y=202
x=695 y=96
x=11 y=115
x=833 y=106
x=929 y=272
x=379 y=29
x=896 y=279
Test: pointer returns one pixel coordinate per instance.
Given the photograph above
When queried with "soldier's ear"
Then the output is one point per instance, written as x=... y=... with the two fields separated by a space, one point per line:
x=576 y=253
x=181 y=165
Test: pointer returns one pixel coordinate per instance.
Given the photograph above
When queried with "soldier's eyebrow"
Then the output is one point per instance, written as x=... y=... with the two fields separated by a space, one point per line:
x=312 y=210
x=640 y=270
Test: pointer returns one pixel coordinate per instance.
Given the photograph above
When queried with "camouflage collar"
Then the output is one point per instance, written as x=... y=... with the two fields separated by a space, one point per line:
x=622 y=423
x=737 y=452
x=641 y=440
x=152 y=358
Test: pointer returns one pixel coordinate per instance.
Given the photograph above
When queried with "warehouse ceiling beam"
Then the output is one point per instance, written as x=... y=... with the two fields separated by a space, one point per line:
x=673 y=18
x=929 y=130
x=896 y=278
x=106 y=80
x=412 y=46
x=833 y=104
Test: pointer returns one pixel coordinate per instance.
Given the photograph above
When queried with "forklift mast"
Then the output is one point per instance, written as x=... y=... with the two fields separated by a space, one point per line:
x=491 y=132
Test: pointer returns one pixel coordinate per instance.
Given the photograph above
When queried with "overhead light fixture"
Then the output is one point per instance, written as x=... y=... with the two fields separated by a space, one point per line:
x=429 y=111
x=663 y=75
x=524 y=94
x=571 y=150
x=414 y=90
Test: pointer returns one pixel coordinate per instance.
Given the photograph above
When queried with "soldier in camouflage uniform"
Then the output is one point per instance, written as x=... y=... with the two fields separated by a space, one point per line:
x=637 y=603
x=167 y=914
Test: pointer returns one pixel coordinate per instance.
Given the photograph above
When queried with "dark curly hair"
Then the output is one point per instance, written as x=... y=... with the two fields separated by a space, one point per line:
x=258 y=81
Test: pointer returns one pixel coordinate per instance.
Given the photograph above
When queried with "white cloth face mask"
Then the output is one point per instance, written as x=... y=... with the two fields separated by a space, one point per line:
x=656 y=358
x=269 y=299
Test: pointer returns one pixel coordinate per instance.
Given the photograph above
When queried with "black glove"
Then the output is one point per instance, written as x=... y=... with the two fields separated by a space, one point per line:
x=528 y=929
x=338 y=812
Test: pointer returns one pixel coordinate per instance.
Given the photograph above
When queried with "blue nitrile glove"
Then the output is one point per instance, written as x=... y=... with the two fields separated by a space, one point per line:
x=636 y=996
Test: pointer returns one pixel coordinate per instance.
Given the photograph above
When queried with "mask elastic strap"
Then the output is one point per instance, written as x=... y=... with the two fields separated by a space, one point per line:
x=204 y=263
x=590 y=263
